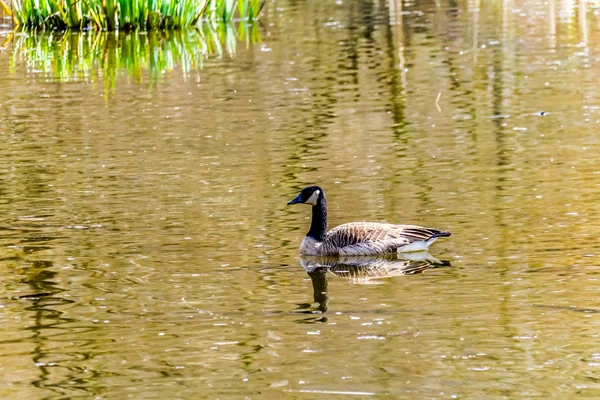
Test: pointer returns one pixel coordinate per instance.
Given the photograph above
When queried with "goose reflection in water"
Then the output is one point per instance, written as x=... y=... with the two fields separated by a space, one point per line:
x=363 y=270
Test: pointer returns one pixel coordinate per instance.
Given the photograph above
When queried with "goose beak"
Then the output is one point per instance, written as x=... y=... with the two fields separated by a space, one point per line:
x=297 y=199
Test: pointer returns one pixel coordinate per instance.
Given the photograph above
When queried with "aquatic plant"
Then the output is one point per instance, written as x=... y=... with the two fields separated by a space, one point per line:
x=128 y=15
x=4 y=7
x=103 y=56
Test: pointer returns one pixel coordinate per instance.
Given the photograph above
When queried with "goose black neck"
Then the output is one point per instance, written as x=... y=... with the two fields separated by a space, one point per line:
x=318 y=225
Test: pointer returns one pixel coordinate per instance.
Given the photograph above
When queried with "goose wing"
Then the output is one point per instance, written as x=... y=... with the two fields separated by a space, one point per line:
x=374 y=238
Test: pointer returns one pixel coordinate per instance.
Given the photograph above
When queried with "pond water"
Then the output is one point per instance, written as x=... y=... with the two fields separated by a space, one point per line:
x=146 y=249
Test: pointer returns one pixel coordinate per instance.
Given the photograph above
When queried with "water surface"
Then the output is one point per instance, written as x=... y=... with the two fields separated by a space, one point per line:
x=147 y=251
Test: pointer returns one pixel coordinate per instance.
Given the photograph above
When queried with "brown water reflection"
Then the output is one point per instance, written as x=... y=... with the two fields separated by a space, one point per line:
x=147 y=250
x=366 y=270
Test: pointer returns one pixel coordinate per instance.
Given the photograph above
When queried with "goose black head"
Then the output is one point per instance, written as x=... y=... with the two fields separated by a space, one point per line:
x=309 y=195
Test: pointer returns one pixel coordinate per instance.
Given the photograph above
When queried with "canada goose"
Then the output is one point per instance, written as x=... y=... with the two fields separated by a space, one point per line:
x=358 y=238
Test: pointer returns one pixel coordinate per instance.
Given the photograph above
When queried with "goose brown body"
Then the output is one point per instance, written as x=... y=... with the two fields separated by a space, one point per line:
x=364 y=238
x=358 y=238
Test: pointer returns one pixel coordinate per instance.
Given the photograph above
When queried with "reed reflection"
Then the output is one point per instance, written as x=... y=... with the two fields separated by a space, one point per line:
x=48 y=323
x=364 y=270
x=89 y=56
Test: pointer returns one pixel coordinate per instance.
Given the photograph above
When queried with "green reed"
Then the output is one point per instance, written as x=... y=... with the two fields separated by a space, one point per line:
x=129 y=15
x=104 y=56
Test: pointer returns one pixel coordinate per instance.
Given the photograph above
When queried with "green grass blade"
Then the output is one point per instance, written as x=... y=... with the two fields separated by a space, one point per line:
x=128 y=14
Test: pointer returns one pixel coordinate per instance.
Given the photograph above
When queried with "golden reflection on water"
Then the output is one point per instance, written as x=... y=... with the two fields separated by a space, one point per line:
x=147 y=250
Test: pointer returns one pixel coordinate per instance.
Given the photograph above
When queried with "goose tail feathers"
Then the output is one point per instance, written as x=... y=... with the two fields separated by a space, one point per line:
x=423 y=244
x=437 y=234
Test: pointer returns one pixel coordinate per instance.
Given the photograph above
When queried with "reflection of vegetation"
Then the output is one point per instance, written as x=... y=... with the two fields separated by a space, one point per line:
x=92 y=55
x=128 y=14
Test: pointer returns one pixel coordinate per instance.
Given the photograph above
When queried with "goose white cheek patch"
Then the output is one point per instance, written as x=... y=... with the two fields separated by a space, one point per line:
x=312 y=200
